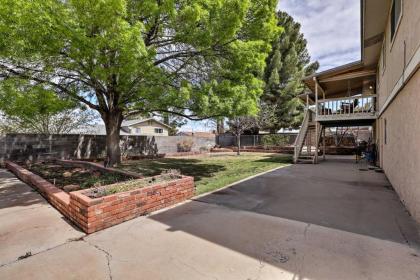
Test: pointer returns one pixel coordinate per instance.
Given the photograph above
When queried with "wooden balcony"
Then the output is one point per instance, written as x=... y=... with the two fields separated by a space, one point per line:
x=346 y=108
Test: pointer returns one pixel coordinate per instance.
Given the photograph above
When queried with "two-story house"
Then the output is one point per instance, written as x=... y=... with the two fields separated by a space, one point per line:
x=382 y=91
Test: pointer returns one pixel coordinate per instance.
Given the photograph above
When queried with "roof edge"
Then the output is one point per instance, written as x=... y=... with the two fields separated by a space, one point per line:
x=150 y=119
x=335 y=69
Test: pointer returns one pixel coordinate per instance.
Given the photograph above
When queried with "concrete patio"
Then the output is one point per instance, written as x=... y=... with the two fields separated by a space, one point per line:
x=326 y=221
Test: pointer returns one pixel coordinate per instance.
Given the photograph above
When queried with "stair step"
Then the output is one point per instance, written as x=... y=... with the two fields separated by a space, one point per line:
x=305 y=161
x=306 y=157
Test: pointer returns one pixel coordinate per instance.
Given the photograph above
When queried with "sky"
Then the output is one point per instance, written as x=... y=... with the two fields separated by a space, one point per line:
x=332 y=29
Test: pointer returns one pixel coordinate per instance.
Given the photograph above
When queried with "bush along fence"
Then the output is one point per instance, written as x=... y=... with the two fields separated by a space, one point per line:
x=72 y=146
x=265 y=140
x=95 y=209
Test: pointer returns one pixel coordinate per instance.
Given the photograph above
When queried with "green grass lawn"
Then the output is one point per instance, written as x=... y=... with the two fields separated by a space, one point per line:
x=214 y=171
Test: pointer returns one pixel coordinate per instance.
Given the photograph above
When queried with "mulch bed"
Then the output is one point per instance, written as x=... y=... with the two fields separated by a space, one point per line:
x=71 y=178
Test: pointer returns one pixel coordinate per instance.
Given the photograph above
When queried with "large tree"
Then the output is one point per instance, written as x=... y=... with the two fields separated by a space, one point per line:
x=287 y=64
x=196 y=58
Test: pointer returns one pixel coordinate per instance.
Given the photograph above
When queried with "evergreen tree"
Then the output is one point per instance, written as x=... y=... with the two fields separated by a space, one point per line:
x=287 y=64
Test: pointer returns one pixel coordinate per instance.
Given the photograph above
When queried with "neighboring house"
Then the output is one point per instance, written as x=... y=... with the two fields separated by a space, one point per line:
x=382 y=91
x=142 y=127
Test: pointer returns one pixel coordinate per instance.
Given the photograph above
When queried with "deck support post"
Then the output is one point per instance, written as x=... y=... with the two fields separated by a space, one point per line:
x=316 y=121
x=307 y=101
x=316 y=97
x=316 y=141
x=323 y=143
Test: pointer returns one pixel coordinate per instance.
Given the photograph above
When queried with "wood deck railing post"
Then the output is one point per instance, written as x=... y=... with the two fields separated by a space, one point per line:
x=323 y=143
x=316 y=97
x=316 y=121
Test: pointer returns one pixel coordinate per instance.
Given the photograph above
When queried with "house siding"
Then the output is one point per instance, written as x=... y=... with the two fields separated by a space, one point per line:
x=399 y=99
x=149 y=129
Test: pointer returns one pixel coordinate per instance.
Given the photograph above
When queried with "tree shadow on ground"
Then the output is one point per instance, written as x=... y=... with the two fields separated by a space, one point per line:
x=16 y=194
x=268 y=217
x=276 y=159
x=188 y=167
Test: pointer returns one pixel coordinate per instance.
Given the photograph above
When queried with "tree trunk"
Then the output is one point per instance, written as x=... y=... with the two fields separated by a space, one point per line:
x=220 y=126
x=113 y=126
x=238 y=141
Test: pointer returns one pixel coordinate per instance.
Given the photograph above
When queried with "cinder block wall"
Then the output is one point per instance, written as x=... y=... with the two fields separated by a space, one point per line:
x=73 y=146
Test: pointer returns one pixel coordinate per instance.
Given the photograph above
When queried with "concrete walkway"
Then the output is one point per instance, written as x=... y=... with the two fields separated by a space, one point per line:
x=28 y=224
x=328 y=221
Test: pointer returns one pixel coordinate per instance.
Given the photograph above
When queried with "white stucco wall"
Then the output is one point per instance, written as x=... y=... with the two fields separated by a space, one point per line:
x=401 y=152
x=399 y=103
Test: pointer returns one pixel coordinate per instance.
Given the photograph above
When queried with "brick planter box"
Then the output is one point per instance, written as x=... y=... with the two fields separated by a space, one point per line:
x=93 y=214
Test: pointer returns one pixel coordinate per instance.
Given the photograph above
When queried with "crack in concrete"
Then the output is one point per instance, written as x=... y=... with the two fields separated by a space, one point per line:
x=305 y=231
x=195 y=269
x=260 y=268
x=107 y=255
x=299 y=268
x=401 y=231
x=40 y=252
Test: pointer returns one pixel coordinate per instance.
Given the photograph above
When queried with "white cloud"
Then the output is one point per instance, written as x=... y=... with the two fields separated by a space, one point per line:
x=331 y=27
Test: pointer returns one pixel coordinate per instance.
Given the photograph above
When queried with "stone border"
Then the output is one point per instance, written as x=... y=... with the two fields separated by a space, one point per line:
x=94 y=214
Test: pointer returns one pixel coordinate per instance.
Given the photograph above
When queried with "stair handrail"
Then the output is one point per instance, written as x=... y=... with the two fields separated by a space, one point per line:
x=302 y=133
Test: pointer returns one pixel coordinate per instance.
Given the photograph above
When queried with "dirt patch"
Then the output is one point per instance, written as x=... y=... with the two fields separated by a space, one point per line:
x=68 y=177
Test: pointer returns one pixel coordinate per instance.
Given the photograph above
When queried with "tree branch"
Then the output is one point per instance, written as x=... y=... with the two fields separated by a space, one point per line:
x=44 y=81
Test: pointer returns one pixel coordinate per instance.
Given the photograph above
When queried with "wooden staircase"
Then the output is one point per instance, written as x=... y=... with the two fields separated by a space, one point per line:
x=307 y=141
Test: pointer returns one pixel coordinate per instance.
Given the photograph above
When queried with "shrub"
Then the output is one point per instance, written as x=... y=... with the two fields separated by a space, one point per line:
x=185 y=145
x=204 y=149
x=274 y=140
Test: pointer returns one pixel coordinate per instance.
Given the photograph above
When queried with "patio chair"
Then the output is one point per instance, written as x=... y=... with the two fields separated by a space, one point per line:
x=348 y=107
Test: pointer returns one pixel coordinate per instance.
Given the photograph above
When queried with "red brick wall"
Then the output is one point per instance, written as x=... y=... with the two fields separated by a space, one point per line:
x=99 y=213
x=95 y=214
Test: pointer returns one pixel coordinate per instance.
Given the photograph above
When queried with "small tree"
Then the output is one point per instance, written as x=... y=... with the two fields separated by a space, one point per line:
x=174 y=121
x=265 y=117
x=32 y=109
x=220 y=125
x=238 y=125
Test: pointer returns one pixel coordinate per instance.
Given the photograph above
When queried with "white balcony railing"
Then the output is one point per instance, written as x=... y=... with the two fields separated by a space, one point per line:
x=355 y=107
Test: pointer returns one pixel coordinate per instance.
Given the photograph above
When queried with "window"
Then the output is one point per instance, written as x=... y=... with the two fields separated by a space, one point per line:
x=158 y=130
x=396 y=12
x=138 y=130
